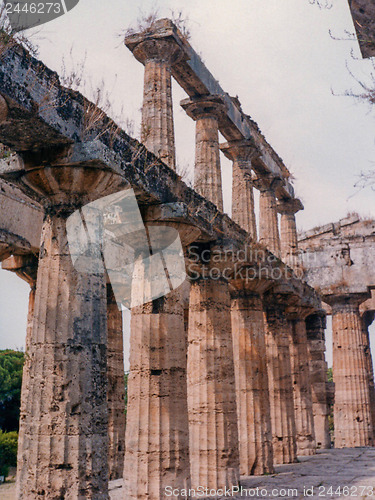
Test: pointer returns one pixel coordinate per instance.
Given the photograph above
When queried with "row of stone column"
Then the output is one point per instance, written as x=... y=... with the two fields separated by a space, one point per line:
x=353 y=399
x=191 y=392
x=203 y=421
x=234 y=339
x=26 y=267
x=158 y=57
x=266 y=354
x=246 y=382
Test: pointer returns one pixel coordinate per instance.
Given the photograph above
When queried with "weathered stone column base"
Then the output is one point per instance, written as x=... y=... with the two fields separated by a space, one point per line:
x=157 y=441
x=352 y=408
x=253 y=406
x=305 y=433
x=280 y=386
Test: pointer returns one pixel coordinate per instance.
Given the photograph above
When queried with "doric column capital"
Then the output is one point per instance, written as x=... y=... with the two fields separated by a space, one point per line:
x=241 y=151
x=171 y=215
x=163 y=51
x=204 y=107
x=25 y=266
x=159 y=42
x=267 y=183
x=343 y=301
x=61 y=189
x=289 y=206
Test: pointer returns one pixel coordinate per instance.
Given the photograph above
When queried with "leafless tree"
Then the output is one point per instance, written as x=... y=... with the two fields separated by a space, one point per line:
x=322 y=4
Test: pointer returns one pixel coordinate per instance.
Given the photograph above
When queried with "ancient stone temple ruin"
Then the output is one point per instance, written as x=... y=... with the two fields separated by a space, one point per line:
x=227 y=370
x=339 y=263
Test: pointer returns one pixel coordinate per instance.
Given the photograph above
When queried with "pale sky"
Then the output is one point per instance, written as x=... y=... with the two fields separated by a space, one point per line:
x=277 y=56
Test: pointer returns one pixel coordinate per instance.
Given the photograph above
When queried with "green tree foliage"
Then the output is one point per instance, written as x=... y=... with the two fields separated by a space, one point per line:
x=8 y=451
x=330 y=375
x=11 y=366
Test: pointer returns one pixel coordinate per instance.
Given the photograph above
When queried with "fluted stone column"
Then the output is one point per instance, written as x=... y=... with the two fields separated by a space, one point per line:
x=280 y=384
x=211 y=387
x=303 y=407
x=157 y=451
x=367 y=320
x=288 y=232
x=206 y=111
x=158 y=56
x=116 y=388
x=63 y=427
x=269 y=234
x=315 y=326
x=250 y=365
x=241 y=153
x=352 y=408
